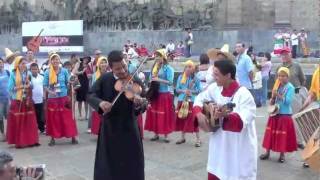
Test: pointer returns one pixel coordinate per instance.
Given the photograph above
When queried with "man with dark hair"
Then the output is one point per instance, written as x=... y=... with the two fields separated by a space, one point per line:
x=119 y=154
x=189 y=42
x=234 y=139
x=8 y=170
x=244 y=67
x=294 y=43
x=30 y=58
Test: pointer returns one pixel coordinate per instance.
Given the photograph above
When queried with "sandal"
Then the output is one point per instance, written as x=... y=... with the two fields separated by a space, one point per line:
x=166 y=140
x=155 y=138
x=198 y=144
x=264 y=156
x=181 y=141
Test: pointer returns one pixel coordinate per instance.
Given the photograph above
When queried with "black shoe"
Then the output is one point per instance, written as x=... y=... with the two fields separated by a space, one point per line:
x=166 y=140
x=155 y=138
x=181 y=141
x=36 y=145
x=74 y=141
x=264 y=156
x=300 y=146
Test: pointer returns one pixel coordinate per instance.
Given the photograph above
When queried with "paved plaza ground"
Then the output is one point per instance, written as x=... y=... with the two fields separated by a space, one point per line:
x=162 y=161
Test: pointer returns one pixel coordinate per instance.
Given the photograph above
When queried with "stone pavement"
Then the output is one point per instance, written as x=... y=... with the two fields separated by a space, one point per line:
x=163 y=161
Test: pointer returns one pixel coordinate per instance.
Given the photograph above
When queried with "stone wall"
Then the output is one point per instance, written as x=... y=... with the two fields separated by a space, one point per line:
x=235 y=14
x=203 y=40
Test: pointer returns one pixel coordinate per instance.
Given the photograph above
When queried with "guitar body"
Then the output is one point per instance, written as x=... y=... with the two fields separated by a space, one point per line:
x=34 y=44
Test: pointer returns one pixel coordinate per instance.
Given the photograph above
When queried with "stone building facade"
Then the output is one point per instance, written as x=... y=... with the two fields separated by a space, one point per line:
x=218 y=14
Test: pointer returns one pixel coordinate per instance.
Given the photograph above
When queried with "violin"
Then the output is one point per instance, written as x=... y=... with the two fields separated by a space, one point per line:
x=128 y=86
x=34 y=44
x=130 y=89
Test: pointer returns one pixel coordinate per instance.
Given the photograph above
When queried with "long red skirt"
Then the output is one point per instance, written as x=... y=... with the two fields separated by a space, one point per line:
x=187 y=125
x=160 y=115
x=59 y=119
x=22 y=128
x=95 y=124
x=280 y=135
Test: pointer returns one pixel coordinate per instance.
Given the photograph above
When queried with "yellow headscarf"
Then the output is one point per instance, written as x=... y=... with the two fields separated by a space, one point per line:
x=18 y=80
x=156 y=68
x=184 y=75
x=277 y=82
x=98 y=71
x=53 y=79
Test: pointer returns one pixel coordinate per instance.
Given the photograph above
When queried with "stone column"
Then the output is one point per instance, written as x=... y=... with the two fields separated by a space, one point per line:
x=283 y=11
x=233 y=13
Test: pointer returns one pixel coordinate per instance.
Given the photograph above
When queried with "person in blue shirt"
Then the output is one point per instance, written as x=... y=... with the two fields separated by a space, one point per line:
x=59 y=121
x=188 y=86
x=244 y=66
x=4 y=97
x=160 y=113
x=22 y=129
x=280 y=135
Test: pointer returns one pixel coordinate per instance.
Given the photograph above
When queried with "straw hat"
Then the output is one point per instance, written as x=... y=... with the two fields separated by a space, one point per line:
x=225 y=51
x=213 y=53
x=162 y=52
x=10 y=55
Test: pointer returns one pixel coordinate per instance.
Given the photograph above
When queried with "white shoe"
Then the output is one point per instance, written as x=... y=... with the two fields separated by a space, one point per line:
x=89 y=131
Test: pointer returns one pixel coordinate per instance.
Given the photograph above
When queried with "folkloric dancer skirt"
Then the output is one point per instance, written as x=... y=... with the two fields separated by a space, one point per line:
x=189 y=124
x=160 y=114
x=59 y=118
x=280 y=135
x=22 y=128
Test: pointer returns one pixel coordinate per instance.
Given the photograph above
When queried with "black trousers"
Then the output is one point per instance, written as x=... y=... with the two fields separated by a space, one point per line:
x=294 y=51
x=39 y=114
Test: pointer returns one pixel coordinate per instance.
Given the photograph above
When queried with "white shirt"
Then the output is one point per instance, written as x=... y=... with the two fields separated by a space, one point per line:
x=294 y=39
x=233 y=155
x=170 y=47
x=132 y=53
x=257 y=81
x=202 y=76
x=209 y=76
x=8 y=67
x=37 y=89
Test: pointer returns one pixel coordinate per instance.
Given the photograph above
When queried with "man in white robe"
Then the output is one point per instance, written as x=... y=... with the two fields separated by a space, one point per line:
x=233 y=147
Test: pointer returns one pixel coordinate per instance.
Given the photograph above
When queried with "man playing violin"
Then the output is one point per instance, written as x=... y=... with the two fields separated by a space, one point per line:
x=119 y=154
x=232 y=147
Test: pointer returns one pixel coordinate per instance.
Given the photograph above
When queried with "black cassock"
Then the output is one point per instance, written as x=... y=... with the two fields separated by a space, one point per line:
x=119 y=154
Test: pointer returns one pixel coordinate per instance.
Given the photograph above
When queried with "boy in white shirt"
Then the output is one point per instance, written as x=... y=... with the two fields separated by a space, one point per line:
x=257 y=85
x=37 y=95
